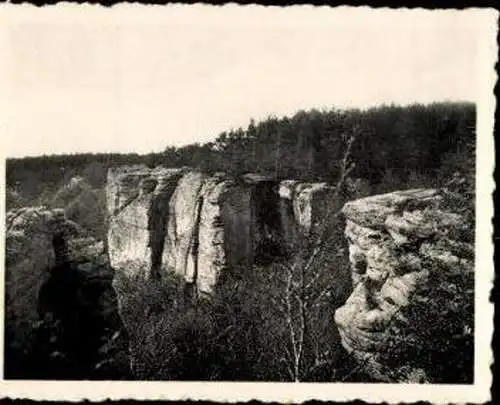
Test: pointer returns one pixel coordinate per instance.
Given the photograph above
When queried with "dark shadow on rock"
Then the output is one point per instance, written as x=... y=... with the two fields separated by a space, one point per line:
x=79 y=334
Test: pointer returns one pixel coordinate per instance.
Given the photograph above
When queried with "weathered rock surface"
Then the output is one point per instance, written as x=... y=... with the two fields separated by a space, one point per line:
x=195 y=225
x=137 y=217
x=394 y=239
x=30 y=252
x=187 y=222
x=303 y=206
x=181 y=221
x=51 y=263
x=84 y=205
x=210 y=228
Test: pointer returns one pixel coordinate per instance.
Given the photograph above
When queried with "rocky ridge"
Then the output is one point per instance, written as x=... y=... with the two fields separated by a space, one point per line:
x=196 y=225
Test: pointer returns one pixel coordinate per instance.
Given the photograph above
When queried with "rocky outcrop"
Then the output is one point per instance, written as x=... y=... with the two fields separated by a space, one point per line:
x=394 y=240
x=303 y=206
x=210 y=228
x=83 y=204
x=137 y=213
x=187 y=222
x=54 y=269
x=195 y=224
x=32 y=248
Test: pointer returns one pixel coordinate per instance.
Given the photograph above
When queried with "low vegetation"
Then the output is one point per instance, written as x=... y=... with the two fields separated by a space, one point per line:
x=274 y=322
x=78 y=334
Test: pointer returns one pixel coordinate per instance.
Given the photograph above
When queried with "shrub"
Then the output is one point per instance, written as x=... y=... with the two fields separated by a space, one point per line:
x=77 y=333
x=239 y=334
x=435 y=334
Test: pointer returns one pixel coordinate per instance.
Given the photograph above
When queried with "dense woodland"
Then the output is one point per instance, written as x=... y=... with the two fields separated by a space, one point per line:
x=396 y=147
x=243 y=334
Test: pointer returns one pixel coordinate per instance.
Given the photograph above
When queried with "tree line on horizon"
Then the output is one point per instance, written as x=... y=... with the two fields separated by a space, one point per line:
x=400 y=145
x=248 y=332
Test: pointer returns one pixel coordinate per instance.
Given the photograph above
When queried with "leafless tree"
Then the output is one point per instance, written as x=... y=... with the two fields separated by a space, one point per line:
x=305 y=286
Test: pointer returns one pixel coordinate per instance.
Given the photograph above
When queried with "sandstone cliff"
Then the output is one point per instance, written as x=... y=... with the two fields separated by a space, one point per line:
x=195 y=225
x=136 y=216
x=394 y=241
x=177 y=220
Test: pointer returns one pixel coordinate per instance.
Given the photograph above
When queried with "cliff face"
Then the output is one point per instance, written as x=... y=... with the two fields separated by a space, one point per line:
x=196 y=225
x=177 y=220
x=394 y=240
x=181 y=221
x=137 y=200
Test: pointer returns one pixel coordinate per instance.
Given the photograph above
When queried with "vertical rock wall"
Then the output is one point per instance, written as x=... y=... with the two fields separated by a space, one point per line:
x=136 y=209
x=180 y=221
x=195 y=225
x=182 y=234
x=223 y=236
x=159 y=217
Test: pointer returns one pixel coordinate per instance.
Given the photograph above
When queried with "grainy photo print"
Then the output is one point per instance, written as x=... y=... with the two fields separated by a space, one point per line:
x=201 y=202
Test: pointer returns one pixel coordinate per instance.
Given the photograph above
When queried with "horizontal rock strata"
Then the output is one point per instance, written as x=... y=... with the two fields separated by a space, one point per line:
x=394 y=239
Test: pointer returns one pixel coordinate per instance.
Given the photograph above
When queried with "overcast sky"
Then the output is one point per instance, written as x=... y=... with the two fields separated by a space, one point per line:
x=116 y=82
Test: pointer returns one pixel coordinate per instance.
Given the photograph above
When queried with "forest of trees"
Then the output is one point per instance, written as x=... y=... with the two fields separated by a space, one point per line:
x=396 y=147
x=275 y=323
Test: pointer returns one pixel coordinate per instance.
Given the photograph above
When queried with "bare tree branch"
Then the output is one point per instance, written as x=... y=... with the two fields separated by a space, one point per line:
x=298 y=291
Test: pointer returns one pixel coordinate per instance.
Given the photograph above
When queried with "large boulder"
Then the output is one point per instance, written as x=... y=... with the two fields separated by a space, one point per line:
x=395 y=239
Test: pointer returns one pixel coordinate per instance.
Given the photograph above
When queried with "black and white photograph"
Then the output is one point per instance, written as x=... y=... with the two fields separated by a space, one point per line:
x=206 y=195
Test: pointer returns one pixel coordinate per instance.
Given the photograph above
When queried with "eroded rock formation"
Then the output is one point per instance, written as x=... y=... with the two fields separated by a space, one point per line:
x=177 y=220
x=394 y=240
x=58 y=280
x=137 y=213
x=303 y=206
x=30 y=251
x=195 y=224
x=84 y=205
